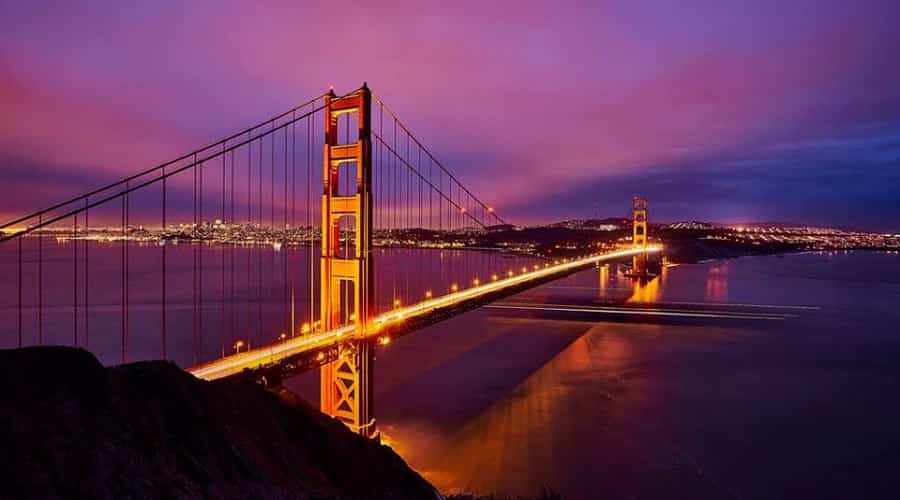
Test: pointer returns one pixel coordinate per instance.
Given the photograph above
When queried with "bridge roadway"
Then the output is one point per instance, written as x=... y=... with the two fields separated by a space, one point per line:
x=310 y=343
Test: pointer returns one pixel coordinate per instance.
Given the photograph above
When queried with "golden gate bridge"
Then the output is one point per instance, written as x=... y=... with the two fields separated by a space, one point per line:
x=298 y=219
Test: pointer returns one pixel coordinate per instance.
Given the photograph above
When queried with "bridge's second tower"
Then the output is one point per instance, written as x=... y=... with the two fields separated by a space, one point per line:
x=639 y=236
x=347 y=273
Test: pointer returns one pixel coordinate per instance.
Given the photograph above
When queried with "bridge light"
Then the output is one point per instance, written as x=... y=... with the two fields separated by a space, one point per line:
x=353 y=317
x=476 y=281
x=524 y=269
x=490 y=210
x=494 y=277
x=454 y=287
x=536 y=267
x=305 y=328
x=238 y=345
x=396 y=302
x=320 y=356
x=462 y=210
x=428 y=294
x=282 y=336
x=509 y=273
x=384 y=340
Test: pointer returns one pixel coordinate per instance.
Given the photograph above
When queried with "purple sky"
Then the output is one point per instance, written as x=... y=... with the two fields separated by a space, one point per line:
x=716 y=110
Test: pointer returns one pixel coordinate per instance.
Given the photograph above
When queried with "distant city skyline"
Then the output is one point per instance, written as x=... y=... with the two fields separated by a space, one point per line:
x=730 y=112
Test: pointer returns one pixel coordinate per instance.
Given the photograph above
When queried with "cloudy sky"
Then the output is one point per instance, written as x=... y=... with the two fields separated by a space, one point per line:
x=715 y=110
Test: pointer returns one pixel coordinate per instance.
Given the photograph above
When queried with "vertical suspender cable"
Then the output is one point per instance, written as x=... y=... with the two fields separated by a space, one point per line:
x=199 y=354
x=222 y=270
x=40 y=283
x=164 y=263
x=75 y=283
x=20 y=291
x=87 y=305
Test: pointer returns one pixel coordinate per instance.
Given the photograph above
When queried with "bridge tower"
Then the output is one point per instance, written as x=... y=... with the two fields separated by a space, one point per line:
x=347 y=273
x=639 y=236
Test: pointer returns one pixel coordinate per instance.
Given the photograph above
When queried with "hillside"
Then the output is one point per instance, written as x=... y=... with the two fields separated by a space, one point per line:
x=71 y=428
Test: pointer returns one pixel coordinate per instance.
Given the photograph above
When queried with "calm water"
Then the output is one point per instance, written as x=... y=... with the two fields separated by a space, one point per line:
x=798 y=400
x=805 y=406
x=243 y=293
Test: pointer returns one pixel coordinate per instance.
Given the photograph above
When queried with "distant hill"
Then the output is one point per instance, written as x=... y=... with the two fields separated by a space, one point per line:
x=71 y=428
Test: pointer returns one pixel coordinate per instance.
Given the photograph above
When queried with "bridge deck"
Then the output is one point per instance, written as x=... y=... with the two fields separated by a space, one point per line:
x=256 y=358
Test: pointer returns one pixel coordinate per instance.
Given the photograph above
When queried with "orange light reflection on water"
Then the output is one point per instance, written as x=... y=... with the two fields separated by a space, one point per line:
x=645 y=292
x=717 y=283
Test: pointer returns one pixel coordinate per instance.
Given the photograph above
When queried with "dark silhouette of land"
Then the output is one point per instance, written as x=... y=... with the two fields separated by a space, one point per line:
x=71 y=428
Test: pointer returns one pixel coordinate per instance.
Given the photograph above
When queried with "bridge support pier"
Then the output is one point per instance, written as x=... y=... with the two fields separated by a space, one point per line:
x=347 y=273
x=639 y=237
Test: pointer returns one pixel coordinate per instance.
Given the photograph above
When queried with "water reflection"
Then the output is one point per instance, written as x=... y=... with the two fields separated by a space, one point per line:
x=604 y=280
x=627 y=412
x=717 y=283
x=645 y=291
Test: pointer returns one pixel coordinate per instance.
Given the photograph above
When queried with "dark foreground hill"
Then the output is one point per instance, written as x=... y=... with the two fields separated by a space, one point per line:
x=70 y=428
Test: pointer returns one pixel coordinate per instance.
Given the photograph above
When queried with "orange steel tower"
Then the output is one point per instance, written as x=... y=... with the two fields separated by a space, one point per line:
x=347 y=274
x=639 y=236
